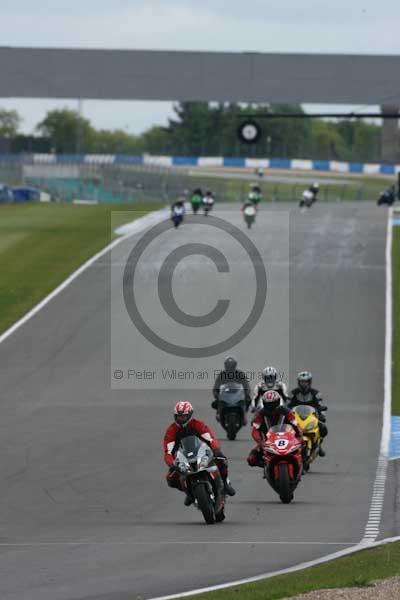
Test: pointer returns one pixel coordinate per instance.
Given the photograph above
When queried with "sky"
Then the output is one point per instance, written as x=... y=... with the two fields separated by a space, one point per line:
x=316 y=26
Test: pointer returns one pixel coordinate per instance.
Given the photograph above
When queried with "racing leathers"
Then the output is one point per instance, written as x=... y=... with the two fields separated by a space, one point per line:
x=255 y=198
x=262 y=387
x=262 y=423
x=235 y=376
x=311 y=397
x=173 y=437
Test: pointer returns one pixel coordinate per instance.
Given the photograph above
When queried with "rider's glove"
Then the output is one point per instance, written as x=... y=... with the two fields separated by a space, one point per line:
x=182 y=467
x=283 y=411
x=219 y=454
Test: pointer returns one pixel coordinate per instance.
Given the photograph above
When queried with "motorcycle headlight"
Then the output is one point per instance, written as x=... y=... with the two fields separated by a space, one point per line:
x=183 y=467
x=309 y=426
x=204 y=461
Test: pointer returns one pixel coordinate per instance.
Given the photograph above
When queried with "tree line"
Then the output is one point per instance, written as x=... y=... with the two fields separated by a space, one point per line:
x=201 y=129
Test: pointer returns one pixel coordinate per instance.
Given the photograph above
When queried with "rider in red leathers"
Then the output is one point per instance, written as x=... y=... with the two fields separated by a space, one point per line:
x=268 y=416
x=183 y=426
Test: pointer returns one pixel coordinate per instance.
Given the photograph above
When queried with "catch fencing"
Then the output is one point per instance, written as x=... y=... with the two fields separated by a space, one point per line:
x=135 y=181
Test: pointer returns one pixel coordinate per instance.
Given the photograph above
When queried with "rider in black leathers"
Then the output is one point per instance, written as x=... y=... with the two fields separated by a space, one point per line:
x=305 y=394
x=231 y=374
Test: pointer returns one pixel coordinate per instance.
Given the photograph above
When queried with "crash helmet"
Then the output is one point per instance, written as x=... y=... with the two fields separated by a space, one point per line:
x=314 y=187
x=230 y=364
x=270 y=376
x=271 y=400
x=183 y=412
x=304 y=380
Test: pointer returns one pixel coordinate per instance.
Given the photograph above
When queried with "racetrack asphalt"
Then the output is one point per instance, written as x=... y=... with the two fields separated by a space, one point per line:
x=84 y=509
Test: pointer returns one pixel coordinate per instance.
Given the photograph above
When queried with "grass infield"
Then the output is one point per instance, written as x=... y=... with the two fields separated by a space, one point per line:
x=41 y=244
x=357 y=570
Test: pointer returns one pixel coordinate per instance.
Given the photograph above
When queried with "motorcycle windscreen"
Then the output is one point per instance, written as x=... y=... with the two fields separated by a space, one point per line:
x=304 y=411
x=285 y=428
x=231 y=393
x=191 y=446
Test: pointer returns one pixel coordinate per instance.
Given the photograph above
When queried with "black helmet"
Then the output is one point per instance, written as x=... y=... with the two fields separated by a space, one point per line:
x=304 y=380
x=271 y=400
x=230 y=363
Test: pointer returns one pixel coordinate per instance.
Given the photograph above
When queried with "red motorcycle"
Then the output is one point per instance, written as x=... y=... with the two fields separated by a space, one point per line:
x=283 y=464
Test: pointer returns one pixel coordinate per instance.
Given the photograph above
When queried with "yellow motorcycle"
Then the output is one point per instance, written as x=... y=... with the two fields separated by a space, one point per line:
x=307 y=419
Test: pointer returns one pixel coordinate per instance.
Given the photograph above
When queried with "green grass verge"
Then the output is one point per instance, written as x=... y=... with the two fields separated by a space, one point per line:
x=41 y=244
x=237 y=189
x=357 y=570
x=396 y=320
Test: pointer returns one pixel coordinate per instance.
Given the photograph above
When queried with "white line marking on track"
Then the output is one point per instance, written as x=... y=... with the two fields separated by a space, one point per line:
x=135 y=227
x=300 y=567
x=171 y=543
x=378 y=495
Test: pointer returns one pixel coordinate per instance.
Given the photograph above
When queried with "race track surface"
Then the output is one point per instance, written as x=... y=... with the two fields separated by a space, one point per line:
x=84 y=509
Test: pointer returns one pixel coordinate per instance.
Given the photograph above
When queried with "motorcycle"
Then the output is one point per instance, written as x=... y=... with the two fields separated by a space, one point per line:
x=283 y=464
x=307 y=199
x=387 y=197
x=208 y=203
x=201 y=479
x=307 y=419
x=232 y=408
x=249 y=214
x=177 y=215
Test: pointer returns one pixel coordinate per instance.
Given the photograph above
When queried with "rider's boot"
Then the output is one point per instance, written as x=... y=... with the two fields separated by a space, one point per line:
x=229 y=490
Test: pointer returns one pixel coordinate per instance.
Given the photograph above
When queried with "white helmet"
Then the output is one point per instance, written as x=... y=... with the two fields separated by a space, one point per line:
x=270 y=375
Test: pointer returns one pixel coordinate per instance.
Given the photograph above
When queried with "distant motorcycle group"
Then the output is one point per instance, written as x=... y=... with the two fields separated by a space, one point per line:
x=288 y=429
x=198 y=201
x=205 y=202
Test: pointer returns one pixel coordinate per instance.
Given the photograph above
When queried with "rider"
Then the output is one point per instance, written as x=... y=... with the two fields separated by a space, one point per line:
x=268 y=416
x=269 y=382
x=178 y=211
x=208 y=201
x=183 y=426
x=305 y=394
x=255 y=195
x=231 y=374
x=314 y=189
x=196 y=199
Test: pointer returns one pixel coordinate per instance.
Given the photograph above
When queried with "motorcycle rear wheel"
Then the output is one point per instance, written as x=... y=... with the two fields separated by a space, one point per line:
x=205 y=504
x=285 y=492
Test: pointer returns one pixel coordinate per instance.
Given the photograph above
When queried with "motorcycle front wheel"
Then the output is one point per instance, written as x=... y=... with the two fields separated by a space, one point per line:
x=205 y=504
x=231 y=427
x=285 y=492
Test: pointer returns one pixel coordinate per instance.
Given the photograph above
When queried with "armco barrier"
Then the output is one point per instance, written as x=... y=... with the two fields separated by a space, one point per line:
x=203 y=161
